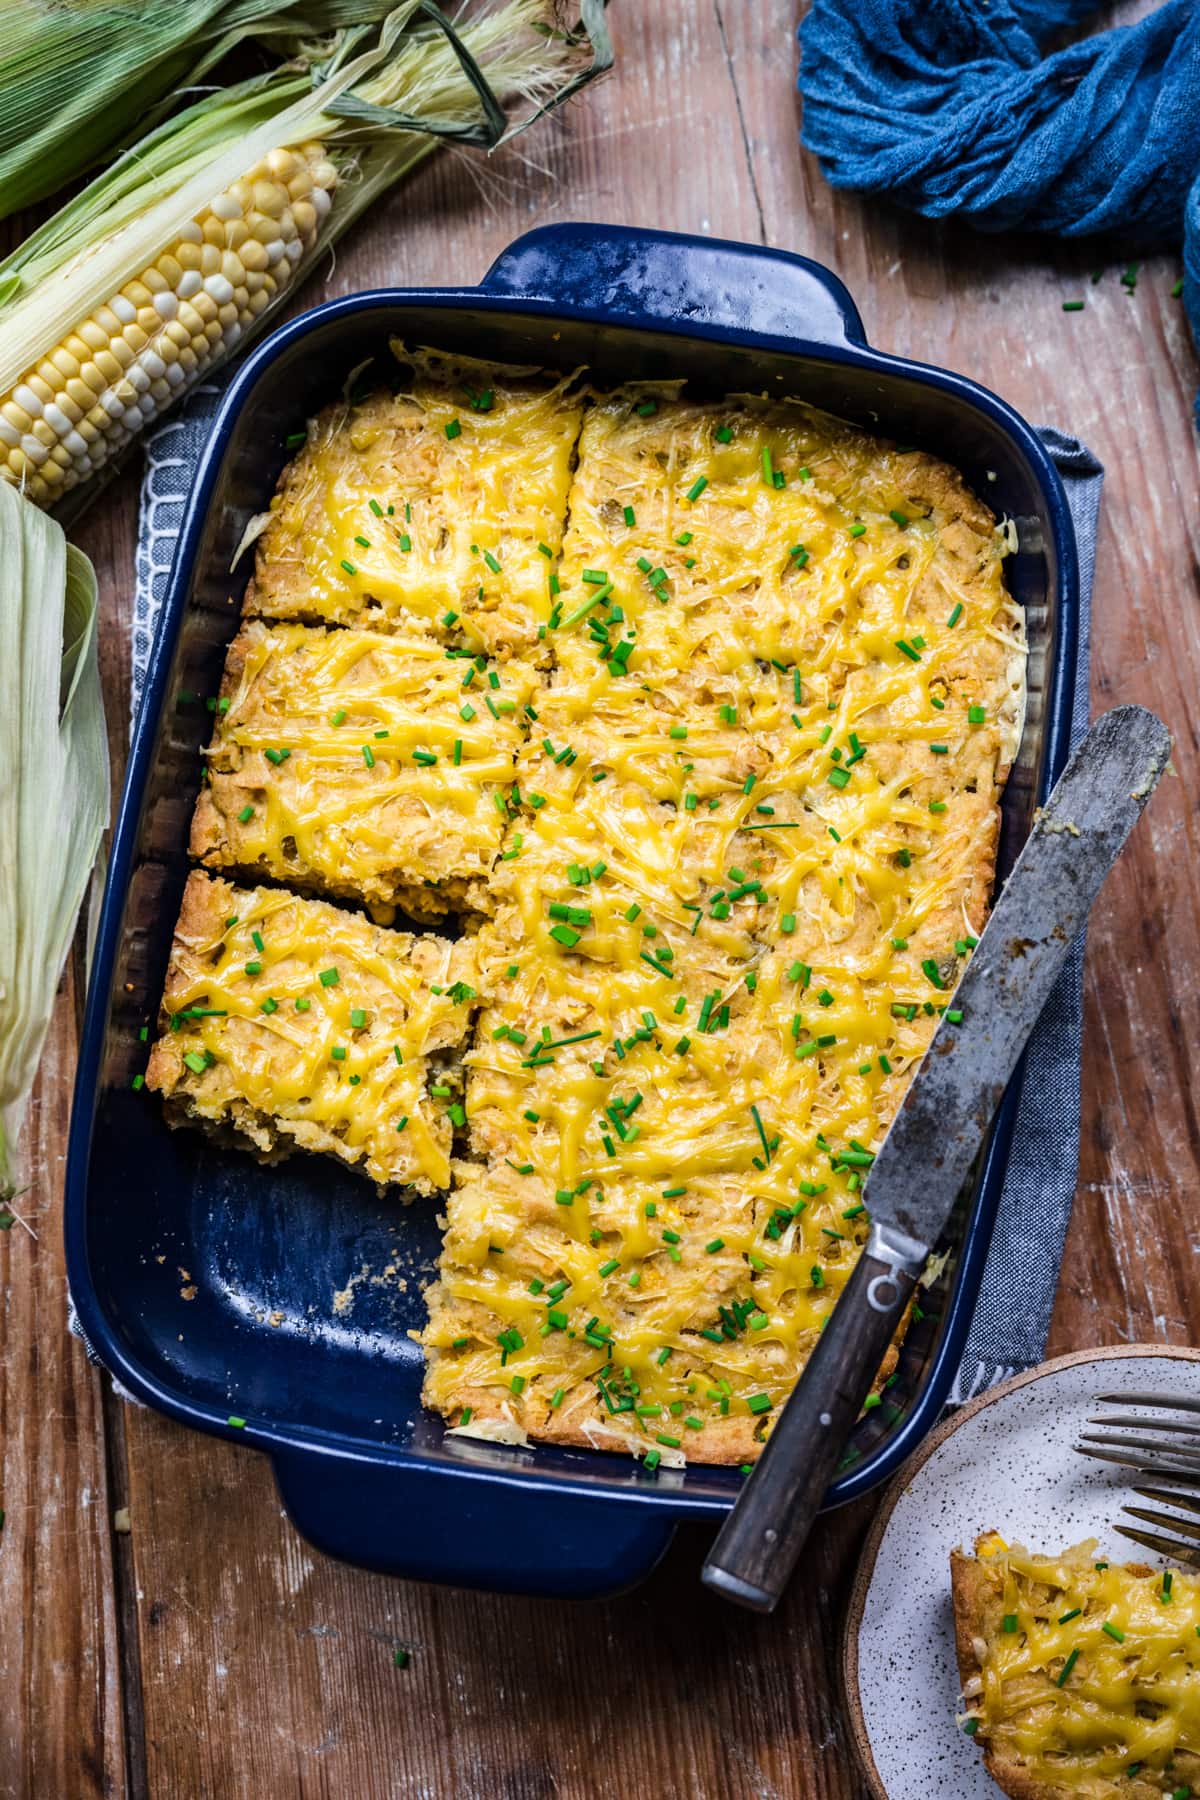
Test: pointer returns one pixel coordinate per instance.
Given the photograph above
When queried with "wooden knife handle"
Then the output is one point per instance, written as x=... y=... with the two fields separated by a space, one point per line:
x=757 y=1547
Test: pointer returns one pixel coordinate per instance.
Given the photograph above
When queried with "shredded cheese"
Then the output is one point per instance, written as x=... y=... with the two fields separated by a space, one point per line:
x=1089 y=1673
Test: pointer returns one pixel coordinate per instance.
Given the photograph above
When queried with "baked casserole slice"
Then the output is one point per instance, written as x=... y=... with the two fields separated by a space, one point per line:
x=757 y=532
x=362 y=765
x=441 y=505
x=1081 y=1677
x=290 y=1024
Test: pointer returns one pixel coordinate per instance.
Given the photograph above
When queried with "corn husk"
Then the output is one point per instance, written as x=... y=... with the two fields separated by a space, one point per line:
x=79 y=77
x=54 y=796
x=375 y=101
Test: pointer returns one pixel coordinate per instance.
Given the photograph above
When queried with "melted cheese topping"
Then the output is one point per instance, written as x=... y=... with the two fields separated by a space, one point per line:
x=753 y=850
x=468 y=469
x=365 y=765
x=288 y=1019
x=1090 y=1673
x=749 y=818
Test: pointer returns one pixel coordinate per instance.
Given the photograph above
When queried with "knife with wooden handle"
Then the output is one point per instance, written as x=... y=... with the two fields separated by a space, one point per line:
x=935 y=1137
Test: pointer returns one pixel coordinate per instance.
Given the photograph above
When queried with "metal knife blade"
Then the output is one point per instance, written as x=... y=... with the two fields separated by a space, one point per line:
x=934 y=1138
x=945 y=1114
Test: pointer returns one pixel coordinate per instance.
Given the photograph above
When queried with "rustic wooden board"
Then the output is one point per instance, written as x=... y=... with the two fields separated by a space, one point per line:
x=61 y=1729
x=252 y=1664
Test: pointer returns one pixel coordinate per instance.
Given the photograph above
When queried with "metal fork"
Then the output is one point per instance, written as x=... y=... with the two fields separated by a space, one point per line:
x=1159 y=1450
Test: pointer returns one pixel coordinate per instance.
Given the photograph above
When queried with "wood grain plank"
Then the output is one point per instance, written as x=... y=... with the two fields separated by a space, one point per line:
x=270 y=1669
x=61 y=1727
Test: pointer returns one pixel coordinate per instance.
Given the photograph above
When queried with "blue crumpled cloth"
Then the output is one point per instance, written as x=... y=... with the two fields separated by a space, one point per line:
x=959 y=107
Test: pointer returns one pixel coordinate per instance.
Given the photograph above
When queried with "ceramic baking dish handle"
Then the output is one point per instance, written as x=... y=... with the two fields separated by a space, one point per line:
x=469 y=1529
x=631 y=276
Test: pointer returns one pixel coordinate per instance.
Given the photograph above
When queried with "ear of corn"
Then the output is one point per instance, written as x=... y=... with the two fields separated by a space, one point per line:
x=119 y=367
x=78 y=76
x=160 y=269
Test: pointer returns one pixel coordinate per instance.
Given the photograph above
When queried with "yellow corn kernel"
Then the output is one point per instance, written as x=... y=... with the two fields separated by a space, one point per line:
x=111 y=374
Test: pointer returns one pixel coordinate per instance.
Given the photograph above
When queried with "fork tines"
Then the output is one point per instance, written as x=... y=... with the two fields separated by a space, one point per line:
x=1159 y=1450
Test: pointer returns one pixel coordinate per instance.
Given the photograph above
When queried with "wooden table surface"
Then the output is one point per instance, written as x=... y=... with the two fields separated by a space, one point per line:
x=209 y=1652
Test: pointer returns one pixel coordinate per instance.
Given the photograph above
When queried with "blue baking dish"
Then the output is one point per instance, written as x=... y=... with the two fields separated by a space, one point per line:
x=283 y=1296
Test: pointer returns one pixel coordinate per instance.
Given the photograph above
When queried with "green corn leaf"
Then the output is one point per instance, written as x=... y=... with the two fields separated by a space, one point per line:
x=54 y=797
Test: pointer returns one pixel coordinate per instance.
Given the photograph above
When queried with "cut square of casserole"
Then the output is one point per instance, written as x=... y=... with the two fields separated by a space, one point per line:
x=294 y=1025
x=440 y=505
x=592 y=1316
x=342 y=761
x=1080 y=1676
x=737 y=537
x=561 y=1034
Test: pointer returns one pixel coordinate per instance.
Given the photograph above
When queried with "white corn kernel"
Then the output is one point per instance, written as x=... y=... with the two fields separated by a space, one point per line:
x=85 y=398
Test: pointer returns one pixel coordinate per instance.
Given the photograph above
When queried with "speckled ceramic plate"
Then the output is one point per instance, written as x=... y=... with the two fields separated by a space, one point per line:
x=1003 y=1461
